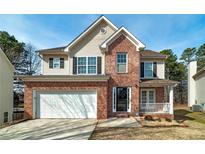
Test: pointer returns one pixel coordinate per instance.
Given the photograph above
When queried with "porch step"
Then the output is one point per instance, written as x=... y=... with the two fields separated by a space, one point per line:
x=122 y=115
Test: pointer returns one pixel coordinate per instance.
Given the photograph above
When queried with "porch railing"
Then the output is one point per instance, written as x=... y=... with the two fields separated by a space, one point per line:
x=154 y=107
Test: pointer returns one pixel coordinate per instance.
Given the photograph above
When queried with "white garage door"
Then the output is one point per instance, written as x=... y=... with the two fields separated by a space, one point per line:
x=66 y=104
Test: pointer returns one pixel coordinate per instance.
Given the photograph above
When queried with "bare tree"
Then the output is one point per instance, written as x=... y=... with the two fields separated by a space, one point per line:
x=32 y=65
x=29 y=66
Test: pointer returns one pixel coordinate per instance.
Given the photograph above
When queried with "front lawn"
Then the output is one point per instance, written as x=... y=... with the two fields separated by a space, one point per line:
x=195 y=129
x=186 y=115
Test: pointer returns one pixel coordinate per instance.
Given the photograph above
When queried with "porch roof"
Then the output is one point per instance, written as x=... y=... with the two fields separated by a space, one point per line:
x=157 y=83
x=63 y=78
x=146 y=53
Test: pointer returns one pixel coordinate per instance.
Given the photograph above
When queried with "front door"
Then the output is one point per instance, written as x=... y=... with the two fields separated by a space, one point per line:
x=122 y=98
x=147 y=96
x=147 y=99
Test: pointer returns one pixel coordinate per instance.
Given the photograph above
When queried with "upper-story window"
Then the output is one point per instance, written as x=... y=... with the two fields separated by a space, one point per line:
x=81 y=65
x=148 y=69
x=92 y=65
x=121 y=62
x=87 y=65
x=56 y=63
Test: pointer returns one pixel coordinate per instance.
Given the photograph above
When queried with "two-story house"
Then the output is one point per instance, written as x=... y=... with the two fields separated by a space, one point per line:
x=104 y=72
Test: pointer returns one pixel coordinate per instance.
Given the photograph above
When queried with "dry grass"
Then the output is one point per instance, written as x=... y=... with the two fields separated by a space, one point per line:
x=194 y=121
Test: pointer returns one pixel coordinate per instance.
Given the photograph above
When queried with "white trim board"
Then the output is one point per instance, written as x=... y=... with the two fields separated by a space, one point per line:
x=127 y=34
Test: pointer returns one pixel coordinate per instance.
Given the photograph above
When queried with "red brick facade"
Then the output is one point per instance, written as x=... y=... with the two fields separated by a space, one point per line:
x=130 y=79
x=160 y=97
x=101 y=88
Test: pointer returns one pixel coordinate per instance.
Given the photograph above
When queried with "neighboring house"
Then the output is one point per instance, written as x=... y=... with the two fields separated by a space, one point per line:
x=6 y=89
x=196 y=85
x=102 y=73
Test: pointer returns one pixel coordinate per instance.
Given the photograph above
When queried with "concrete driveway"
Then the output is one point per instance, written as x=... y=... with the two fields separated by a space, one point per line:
x=75 y=129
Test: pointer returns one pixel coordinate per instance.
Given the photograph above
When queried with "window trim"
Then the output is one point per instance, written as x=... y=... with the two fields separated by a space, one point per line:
x=122 y=63
x=152 y=70
x=87 y=65
x=147 y=95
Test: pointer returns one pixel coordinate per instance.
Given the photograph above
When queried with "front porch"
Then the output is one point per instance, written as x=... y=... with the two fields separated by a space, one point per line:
x=152 y=108
x=156 y=96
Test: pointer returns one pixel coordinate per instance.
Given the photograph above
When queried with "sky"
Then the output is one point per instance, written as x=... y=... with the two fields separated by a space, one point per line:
x=157 y=32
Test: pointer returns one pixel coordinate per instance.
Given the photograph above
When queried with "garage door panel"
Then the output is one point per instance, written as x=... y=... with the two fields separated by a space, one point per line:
x=67 y=105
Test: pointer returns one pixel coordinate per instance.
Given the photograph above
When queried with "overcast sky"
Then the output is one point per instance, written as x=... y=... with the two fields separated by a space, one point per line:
x=157 y=32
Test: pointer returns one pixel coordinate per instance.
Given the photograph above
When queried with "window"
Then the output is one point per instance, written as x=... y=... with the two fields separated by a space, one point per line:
x=122 y=62
x=6 y=117
x=81 y=65
x=87 y=65
x=148 y=69
x=56 y=62
x=103 y=30
x=143 y=97
x=91 y=65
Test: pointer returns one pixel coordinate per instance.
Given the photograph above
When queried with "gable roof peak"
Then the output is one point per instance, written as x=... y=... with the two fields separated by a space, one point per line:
x=101 y=18
x=130 y=36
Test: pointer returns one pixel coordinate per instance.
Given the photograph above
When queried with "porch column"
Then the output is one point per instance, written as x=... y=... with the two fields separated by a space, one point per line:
x=171 y=99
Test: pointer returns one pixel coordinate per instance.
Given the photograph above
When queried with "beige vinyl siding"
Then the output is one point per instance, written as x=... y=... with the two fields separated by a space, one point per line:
x=160 y=67
x=200 y=90
x=6 y=87
x=54 y=71
x=89 y=46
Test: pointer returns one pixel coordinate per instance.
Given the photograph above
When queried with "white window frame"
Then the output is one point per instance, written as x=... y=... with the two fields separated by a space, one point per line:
x=147 y=95
x=122 y=63
x=56 y=62
x=86 y=65
x=149 y=77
